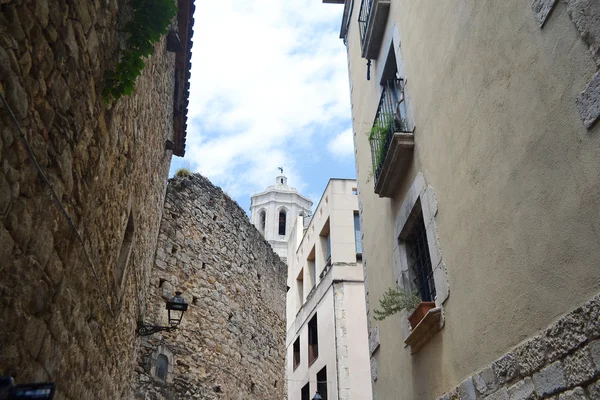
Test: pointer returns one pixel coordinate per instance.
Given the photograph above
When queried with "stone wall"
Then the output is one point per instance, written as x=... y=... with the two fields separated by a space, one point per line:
x=231 y=341
x=58 y=322
x=561 y=363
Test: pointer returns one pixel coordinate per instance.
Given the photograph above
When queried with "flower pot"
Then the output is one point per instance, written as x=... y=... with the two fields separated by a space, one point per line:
x=420 y=313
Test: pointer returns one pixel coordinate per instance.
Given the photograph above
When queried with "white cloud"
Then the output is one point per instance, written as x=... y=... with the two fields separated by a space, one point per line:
x=268 y=78
x=342 y=145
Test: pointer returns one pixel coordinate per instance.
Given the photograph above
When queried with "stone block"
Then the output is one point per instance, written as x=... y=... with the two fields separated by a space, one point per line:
x=575 y=394
x=566 y=335
x=451 y=395
x=466 y=390
x=550 y=379
x=592 y=313
x=588 y=102
x=541 y=10
x=594 y=390
x=586 y=17
x=531 y=355
x=485 y=381
x=505 y=368
x=501 y=394
x=594 y=349
x=6 y=245
x=578 y=367
x=522 y=390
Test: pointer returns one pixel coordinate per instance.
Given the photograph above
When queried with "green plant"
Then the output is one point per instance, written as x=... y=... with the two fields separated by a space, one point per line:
x=379 y=132
x=182 y=173
x=396 y=300
x=151 y=19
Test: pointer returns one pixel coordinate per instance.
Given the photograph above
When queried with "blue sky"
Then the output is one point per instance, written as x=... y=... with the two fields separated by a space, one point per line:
x=269 y=88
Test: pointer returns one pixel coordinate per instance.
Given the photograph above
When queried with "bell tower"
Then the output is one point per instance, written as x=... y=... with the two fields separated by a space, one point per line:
x=274 y=211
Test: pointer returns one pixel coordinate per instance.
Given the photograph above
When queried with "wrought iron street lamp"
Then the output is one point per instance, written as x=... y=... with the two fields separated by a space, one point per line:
x=175 y=308
x=317 y=396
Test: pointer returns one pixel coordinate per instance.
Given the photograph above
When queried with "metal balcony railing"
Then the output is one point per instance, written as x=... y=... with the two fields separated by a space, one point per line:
x=363 y=19
x=390 y=118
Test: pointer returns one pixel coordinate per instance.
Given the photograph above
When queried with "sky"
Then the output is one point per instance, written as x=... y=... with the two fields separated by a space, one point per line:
x=269 y=88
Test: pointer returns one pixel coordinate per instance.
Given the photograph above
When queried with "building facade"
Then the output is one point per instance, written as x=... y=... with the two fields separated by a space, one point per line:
x=327 y=339
x=230 y=344
x=274 y=211
x=476 y=154
x=72 y=287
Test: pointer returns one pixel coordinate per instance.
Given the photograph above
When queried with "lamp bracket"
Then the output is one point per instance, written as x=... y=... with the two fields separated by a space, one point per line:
x=147 y=330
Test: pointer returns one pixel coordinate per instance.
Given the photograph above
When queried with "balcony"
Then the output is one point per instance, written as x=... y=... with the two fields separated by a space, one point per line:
x=391 y=140
x=371 y=21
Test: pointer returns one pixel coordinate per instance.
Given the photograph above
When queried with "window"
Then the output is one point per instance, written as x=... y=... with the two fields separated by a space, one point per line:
x=418 y=257
x=322 y=383
x=312 y=270
x=355 y=191
x=300 y=289
x=328 y=252
x=162 y=366
x=357 y=235
x=305 y=392
x=296 y=351
x=125 y=252
x=313 y=340
x=282 y=217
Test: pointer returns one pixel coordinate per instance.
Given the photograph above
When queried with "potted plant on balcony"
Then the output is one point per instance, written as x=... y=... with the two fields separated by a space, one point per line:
x=396 y=300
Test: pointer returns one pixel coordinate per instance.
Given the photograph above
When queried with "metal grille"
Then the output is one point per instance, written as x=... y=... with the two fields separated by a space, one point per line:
x=390 y=118
x=363 y=19
x=420 y=261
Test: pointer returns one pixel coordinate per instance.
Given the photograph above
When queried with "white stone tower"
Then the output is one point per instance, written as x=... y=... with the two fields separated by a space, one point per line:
x=274 y=211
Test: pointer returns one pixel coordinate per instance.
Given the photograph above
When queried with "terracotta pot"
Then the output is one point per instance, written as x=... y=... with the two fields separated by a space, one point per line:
x=420 y=313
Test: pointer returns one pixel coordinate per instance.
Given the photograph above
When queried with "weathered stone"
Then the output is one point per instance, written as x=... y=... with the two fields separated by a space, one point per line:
x=41 y=12
x=485 y=381
x=594 y=390
x=575 y=394
x=566 y=335
x=451 y=395
x=17 y=98
x=5 y=196
x=588 y=101
x=594 y=348
x=34 y=336
x=522 y=390
x=505 y=368
x=466 y=390
x=501 y=394
x=6 y=244
x=531 y=355
x=60 y=92
x=578 y=367
x=550 y=379
x=586 y=17
x=541 y=10
x=592 y=312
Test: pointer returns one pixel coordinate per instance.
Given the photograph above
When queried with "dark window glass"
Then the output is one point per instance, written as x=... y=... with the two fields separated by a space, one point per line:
x=313 y=340
x=305 y=392
x=357 y=235
x=162 y=365
x=322 y=383
x=417 y=250
x=296 y=353
x=282 y=223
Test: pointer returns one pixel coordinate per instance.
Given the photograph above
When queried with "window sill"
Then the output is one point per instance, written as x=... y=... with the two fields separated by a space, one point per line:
x=432 y=323
x=311 y=362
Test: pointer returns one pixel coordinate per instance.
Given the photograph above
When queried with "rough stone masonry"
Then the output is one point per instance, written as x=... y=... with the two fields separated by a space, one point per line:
x=230 y=344
x=108 y=166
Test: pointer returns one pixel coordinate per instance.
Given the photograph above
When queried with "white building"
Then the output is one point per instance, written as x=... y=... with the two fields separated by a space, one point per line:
x=327 y=340
x=274 y=210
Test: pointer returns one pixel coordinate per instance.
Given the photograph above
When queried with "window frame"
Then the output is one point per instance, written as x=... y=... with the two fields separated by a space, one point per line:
x=419 y=193
x=313 y=339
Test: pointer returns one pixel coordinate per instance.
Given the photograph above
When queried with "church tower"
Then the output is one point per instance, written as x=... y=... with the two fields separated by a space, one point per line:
x=274 y=211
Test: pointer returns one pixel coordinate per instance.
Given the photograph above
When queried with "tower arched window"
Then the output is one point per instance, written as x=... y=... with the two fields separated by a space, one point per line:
x=262 y=221
x=282 y=217
x=162 y=366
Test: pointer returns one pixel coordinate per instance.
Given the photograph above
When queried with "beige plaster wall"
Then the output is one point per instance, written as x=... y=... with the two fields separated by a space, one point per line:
x=499 y=138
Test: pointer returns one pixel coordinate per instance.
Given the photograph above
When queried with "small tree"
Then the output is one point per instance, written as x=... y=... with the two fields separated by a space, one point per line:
x=396 y=300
